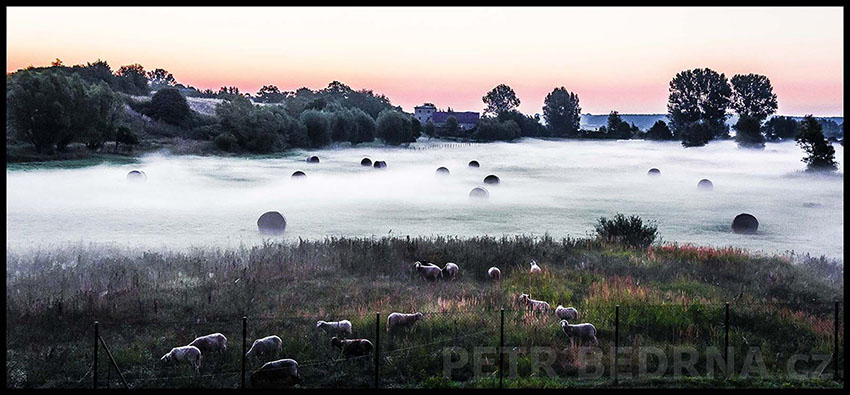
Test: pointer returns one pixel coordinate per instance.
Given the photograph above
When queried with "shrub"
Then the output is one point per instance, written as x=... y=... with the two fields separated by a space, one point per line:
x=748 y=132
x=490 y=129
x=780 y=128
x=659 y=131
x=629 y=231
x=170 y=106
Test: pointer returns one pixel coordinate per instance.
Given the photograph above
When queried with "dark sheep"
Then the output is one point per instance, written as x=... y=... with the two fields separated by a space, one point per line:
x=474 y=163
x=745 y=223
x=313 y=159
x=353 y=347
x=274 y=373
x=442 y=171
x=366 y=162
x=271 y=222
x=705 y=184
x=479 y=193
x=654 y=172
x=492 y=179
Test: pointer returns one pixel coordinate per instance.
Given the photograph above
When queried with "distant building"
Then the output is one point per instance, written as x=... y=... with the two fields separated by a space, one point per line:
x=428 y=112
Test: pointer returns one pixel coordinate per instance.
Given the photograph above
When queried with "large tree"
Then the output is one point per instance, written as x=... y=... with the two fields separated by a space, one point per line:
x=39 y=107
x=753 y=96
x=161 y=78
x=780 y=128
x=270 y=94
x=562 y=112
x=500 y=100
x=699 y=96
x=395 y=128
x=170 y=106
x=820 y=153
x=133 y=79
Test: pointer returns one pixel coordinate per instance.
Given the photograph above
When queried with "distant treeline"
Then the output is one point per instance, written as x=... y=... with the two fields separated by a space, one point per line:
x=53 y=107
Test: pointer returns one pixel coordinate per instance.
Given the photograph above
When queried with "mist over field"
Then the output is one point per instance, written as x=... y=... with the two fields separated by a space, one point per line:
x=555 y=187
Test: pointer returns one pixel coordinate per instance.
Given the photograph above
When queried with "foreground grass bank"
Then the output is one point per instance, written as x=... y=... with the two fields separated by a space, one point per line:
x=669 y=296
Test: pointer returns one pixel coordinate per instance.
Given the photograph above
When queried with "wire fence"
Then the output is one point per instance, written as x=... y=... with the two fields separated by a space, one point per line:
x=488 y=348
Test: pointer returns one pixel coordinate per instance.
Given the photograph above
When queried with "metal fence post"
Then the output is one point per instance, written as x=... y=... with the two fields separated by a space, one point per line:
x=502 y=348
x=377 y=348
x=835 y=346
x=94 y=368
x=728 y=369
x=616 y=342
x=244 y=345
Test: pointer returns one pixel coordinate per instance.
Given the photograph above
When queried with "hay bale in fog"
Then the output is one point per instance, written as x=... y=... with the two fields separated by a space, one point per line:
x=379 y=164
x=654 y=172
x=366 y=162
x=443 y=171
x=299 y=174
x=137 y=175
x=479 y=193
x=474 y=163
x=271 y=222
x=492 y=179
x=705 y=184
x=745 y=223
x=313 y=159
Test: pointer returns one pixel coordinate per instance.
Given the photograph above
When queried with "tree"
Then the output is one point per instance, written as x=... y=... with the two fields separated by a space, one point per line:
x=780 y=128
x=104 y=115
x=491 y=129
x=318 y=129
x=124 y=135
x=160 y=78
x=528 y=125
x=451 y=126
x=38 y=107
x=562 y=112
x=133 y=79
x=170 y=106
x=659 y=131
x=429 y=129
x=753 y=96
x=342 y=125
x=748 y=132
x=820 y=153
x=696 y=134
x=270 y=94
x=365 y=127
x=395 y=128
x=699 y=96
x=500 y=100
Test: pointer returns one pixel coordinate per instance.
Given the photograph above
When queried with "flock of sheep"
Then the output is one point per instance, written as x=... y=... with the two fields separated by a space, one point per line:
x=286 y=370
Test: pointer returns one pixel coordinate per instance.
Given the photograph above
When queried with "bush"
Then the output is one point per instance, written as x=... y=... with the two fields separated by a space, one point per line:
x=696 y=134
x=170 y=106
x=490 y=129
x=748 y=132
x=780 y=128
x=226 y=142
x=659 y=131
x=629 y=231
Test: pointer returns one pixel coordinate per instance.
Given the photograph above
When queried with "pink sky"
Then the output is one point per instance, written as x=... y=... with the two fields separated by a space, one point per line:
x=614 y=58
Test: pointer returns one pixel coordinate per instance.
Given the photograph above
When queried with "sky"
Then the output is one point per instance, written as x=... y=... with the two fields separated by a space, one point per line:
x=613 y=58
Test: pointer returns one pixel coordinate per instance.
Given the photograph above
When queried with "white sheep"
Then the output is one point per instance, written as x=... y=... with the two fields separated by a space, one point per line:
x=495 y=273
x=189 y=354
x=402 y=320
x=534 y=268
x=213 y=342
x=566 y=313
x=580 y=331
x=275 y=372
x=534 y=305
x=337 y=327
x=451 y=270
x=428 y=271
x=266 y=345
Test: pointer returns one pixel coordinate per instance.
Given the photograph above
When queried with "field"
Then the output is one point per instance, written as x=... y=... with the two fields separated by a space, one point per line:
x=669 y=296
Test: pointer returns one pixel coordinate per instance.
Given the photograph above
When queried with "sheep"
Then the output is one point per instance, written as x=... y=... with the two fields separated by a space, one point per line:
x=181 y=354
x=535 y=305
x=451 y=270
x=534 y=268
x=338 y=327
x=208 y=343
x=495 y=273
x=566 y=313
x=402 y=320
x=266 y=345
x=581 y=331
x=428 y=271
x=275 y=372
x=353 y=347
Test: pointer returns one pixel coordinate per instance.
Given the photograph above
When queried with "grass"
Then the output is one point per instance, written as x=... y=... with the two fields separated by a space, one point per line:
x=149 y=301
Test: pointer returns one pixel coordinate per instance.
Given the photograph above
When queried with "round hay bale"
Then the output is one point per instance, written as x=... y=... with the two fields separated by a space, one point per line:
x=298 y=175
x=654 y=172
x=366 y=162
x=705 y=184
x=479 y=193
x=745 y=223
x=271 y=222
x=443 y=171
x=474 y=163
x=137 y=175
x=379 y=164
x=492 y=179
x=313 y=159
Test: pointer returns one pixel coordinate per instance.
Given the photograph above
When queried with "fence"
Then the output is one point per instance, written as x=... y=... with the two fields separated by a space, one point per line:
x=489 y=349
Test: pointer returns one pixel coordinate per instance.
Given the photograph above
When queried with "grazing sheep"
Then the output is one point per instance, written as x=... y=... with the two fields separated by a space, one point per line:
x=276 y=372
x=495 y=273
x=402 y=320
x=182 y=354
x=266 y=345
x=209 y=343
x=353 y=347
x=534 y=268
x=338 y=327
x=581 y=331
x=451 y=270
x=566 y=313
x=535 y=305
x=428 y=271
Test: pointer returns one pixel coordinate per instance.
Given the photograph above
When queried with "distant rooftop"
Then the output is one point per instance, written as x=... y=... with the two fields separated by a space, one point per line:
x=462 y=117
